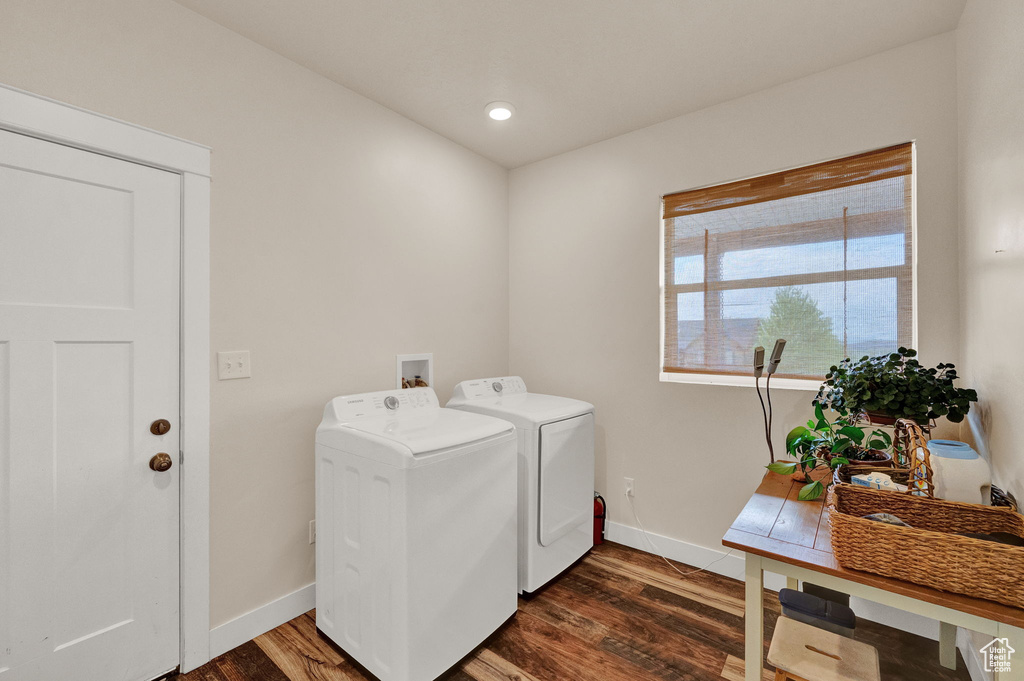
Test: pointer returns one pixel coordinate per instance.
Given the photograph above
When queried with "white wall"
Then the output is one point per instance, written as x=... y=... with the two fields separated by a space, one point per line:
x=584 y=239
x=342 y=234
x=990 y=81
x=990 y=72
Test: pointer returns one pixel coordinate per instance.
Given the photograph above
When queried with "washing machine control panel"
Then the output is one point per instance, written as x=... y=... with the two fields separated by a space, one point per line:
x=489 y=387
x=382 y=403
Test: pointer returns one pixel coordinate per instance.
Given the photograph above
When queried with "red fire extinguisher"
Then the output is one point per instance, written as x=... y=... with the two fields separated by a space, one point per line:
x=599 y=516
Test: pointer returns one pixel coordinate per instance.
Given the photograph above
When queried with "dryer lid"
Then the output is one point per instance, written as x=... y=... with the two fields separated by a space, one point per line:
x=526 y=410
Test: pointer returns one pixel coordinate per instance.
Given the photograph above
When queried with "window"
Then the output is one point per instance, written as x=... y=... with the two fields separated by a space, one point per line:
x=820 y=255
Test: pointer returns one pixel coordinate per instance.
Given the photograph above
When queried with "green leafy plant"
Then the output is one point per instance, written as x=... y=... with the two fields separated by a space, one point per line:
x=896 y=385
x=832 y=444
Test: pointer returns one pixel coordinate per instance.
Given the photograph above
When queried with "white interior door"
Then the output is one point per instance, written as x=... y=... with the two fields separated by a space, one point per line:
x=566 y=477
x=89 y=271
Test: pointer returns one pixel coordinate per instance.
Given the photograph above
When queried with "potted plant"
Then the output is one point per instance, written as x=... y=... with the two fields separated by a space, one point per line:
x=895 y=386
x=822 y=444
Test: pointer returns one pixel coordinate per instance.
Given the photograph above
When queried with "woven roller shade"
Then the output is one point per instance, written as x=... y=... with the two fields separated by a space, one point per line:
x=820 y=255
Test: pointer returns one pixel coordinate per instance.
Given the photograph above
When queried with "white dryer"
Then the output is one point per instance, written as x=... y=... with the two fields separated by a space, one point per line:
x=555 y=437
x=416 y=531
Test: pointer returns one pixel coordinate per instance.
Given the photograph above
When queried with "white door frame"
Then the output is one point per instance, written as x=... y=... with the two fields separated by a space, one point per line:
x=30 y=114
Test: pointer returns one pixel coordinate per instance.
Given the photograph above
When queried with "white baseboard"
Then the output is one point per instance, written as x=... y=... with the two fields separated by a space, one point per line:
x=730 y=564
x=242 y=629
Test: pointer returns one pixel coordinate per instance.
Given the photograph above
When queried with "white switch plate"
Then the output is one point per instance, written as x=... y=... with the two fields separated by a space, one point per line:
x=234 y=364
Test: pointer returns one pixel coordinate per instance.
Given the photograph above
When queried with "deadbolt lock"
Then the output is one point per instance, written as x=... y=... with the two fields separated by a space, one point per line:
x=161 y=462
x=160 y=427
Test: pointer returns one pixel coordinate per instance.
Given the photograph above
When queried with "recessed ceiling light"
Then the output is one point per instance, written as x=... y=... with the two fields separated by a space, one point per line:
x=500 y=111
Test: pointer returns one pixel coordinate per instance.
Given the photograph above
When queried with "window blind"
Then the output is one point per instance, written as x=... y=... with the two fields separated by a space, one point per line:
x=820 y=255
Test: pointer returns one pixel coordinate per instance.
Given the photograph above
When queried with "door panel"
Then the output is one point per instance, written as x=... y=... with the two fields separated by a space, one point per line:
x=92 y=465
x=89 y=266
x=89 y=272
x=566 y=476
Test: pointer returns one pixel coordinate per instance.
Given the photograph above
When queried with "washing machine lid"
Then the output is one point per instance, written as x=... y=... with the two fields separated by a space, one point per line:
x=409 y=422
x=431 y=430
x=507 y=398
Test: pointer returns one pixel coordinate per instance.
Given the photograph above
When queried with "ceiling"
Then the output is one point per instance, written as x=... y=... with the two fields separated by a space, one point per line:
x=577 y=71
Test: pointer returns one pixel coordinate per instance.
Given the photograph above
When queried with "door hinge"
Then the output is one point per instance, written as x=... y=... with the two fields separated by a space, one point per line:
x=181 y=458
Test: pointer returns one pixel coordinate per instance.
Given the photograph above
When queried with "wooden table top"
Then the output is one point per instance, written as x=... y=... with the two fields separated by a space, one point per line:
x=775 y=524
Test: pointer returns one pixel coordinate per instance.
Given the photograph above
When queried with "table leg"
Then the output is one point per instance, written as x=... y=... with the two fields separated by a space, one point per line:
x=1015 y=639
x=754 y=618
x=947 y=645
x=793 y=583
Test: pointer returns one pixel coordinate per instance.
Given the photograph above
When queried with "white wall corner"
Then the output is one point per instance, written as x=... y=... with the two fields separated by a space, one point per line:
x=246 y=627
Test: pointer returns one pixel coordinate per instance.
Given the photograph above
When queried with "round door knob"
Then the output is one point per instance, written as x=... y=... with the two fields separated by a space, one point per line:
x=161 y=462
x=160 y=427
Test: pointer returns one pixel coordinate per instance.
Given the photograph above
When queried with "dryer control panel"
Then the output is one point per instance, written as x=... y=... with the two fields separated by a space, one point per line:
x=489 y=387
x=383 y=403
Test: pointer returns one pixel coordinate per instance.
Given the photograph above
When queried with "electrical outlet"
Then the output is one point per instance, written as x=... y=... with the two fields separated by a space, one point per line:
x=629 y=487
x=233 y=364
x=312 y=531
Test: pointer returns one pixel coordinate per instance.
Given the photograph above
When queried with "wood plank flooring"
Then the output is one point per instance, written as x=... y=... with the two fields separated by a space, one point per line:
x=617 y=615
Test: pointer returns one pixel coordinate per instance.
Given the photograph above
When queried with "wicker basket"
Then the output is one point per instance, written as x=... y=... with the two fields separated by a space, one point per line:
x=916 y=443
x=917 y=476
x=930 y=552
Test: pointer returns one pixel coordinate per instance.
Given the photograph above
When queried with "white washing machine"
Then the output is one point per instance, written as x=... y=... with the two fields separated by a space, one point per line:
x=416 y=530
x=555 y=437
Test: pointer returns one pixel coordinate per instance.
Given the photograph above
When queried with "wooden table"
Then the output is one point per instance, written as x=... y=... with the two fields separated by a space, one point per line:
x=780 y=534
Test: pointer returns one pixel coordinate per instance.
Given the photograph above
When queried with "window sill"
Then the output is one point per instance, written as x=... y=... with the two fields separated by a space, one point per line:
x=740 y=381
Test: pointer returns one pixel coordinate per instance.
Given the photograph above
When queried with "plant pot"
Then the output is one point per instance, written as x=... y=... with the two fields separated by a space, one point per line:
x=874 y=418
x=880 y=458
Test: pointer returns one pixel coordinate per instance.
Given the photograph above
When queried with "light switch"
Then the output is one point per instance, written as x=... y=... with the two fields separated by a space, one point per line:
x=234 y=364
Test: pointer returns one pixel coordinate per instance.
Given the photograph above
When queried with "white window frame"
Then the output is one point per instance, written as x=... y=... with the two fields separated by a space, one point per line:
x=805 y=384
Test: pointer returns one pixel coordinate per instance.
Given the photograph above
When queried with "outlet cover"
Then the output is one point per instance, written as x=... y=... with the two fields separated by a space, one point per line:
x=234 y=364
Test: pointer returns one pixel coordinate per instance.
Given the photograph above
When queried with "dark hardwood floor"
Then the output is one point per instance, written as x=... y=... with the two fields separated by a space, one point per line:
x=617 y=615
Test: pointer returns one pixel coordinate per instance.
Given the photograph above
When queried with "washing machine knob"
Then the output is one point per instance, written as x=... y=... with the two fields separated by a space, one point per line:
x=391 y=402
x=498 y=387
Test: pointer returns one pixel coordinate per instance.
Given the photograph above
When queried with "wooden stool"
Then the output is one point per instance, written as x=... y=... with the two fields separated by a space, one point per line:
x=801 y=652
